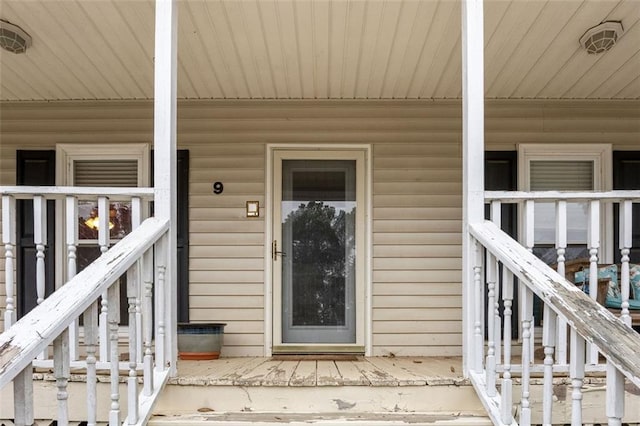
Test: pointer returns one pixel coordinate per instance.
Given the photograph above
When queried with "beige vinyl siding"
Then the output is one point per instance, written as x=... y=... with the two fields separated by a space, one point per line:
x=226 y=253
x=417 y=247
x=509 y=123
x=417 y=187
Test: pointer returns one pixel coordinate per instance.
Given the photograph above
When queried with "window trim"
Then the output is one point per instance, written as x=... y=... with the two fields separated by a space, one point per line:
x=600 y=154
x=602 y=157
x=66 y=154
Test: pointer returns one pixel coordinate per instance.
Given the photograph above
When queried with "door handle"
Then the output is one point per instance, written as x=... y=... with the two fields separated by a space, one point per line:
x=275 y=252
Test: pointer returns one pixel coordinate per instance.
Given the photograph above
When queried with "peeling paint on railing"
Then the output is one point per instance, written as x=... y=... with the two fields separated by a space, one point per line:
x=615 y=340
x=7 y=351
x=36 y=330
x=594 y=331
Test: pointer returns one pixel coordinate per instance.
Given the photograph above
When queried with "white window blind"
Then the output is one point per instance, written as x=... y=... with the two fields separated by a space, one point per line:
x=118 y=173
x=562 y=175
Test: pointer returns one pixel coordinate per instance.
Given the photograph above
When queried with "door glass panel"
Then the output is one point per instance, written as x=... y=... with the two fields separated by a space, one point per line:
x=318 y=237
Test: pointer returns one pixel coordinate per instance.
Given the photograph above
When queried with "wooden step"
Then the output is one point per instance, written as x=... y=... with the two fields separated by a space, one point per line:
x=363 y=385
x=305 y=419
x=269 y=391
x=439 y=399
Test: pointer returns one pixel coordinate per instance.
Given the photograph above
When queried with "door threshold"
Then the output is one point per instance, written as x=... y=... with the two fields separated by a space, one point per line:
x=316 y=357
x=318 y=350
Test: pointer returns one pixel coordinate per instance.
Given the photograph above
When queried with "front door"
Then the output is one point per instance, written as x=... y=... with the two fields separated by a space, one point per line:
x=317 y=249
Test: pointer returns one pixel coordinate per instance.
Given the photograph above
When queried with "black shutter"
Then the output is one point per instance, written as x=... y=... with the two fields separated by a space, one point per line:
x=626 y=175
x=501 y=174
x=182 y=231
x=183 y=235
x=35 y=168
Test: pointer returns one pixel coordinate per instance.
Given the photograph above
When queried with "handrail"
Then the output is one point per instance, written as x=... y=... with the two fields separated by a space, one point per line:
x=35 y=331
x=517 y=196
x=61 y=192
x=615 y=340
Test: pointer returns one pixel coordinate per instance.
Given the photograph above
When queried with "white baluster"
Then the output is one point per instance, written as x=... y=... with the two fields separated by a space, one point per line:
x=103 y=242
x=136 y=219
x=529 y=243
x=9 y=241
x=40 y=241
x=139 y=326
x=495 y=213
x=507 y=385
x=136 y=212
x=529 y=225
x=161 y=269
x=61 y=361
x=160 y=343
x=497 y=320
x=593 y=241
x=23 y=397
x=147 y=318
x=561 y=245
x=90 y=340
x=72 y=235
x=527 y=325
x=496 y=217
x=478 y=329
x=133 y=282
x=615 y=395
x=576 y=372
x=72 y=242
x=548 y=341
x=561 y=234
x=626 y=214
x=114 y=414
x=490 y=378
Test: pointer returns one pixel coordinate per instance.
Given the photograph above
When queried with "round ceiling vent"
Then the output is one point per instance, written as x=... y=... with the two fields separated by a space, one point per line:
x=602 y=37
x=13 y=38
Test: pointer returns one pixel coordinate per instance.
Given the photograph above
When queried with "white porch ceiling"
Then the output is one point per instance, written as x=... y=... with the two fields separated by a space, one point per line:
x=318 y=49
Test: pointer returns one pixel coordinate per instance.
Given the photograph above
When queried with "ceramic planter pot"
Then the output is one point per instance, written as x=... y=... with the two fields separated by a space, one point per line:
x=200 y=341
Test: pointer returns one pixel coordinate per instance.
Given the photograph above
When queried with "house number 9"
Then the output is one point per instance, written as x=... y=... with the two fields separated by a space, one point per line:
x=218 y=187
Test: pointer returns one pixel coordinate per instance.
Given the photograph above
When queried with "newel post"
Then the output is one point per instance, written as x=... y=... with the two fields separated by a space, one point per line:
x=472 y=158
x=164 y=141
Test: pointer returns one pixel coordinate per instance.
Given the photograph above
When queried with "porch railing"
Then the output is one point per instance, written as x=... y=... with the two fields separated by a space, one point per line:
x=507 y=276
x=92 y=296
x=599 y=218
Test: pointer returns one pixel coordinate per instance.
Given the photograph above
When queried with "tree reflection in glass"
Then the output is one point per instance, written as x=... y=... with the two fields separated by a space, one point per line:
x=323 y=253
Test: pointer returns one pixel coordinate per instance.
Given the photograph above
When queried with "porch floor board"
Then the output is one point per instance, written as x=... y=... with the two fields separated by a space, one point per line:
x=343 y=390
x=375 y=371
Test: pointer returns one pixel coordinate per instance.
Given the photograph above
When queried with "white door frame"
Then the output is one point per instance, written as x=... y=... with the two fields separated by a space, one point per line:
x=364 y=327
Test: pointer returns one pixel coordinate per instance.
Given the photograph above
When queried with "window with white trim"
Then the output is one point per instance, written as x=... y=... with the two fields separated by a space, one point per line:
x=568 y=167
x=98 y=165
x=561 y=175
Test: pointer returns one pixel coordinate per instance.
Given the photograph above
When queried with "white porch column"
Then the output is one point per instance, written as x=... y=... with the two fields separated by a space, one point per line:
x=472 y=157
x=165 y=107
